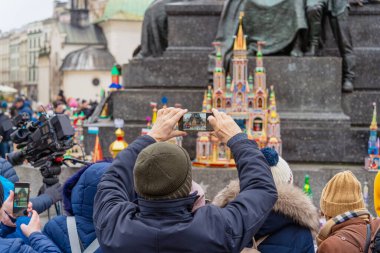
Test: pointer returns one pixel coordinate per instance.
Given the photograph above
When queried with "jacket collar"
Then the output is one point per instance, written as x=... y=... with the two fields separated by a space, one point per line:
x=332 y=226
x=292 y=206
x=170 y=207
x=352 y=221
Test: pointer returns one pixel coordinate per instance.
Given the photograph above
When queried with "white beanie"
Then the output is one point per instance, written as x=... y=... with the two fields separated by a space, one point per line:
x=282 y=172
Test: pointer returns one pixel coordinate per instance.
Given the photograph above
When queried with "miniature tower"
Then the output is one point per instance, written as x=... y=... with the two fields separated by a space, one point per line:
x=307 y=187
x=204 y=103
x=219 y=79
x=115 y=74
x=260 y=80
x=154 y=112
x=274 y=133
x=119 y=144
x=258 y=119
x=373 y=143
x=239 y=85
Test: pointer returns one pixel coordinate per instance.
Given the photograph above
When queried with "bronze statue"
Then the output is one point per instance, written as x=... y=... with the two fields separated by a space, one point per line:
x=154 y=37
x=337 y=13
x=279 y=23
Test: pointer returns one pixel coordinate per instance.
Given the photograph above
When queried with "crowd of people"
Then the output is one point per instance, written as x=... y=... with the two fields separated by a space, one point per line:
x=22 y=105
x=145 y=200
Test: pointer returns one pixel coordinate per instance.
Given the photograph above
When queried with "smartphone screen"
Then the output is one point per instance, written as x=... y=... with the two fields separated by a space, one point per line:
x=195 y=121
x=21 y=199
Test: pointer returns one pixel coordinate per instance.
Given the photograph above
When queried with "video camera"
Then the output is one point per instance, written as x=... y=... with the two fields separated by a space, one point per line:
x=42 y=143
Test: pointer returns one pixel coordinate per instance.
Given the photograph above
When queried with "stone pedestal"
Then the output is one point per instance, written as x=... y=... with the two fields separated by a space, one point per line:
x=319 y=123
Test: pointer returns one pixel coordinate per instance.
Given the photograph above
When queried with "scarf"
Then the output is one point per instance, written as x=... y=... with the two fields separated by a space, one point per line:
x=327 y=228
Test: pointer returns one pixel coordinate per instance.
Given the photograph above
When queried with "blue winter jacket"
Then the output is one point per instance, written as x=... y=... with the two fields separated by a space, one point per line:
x=38 y=243
x=79 y=194
x=285 y=236
x=126 y=225
x=40 y=203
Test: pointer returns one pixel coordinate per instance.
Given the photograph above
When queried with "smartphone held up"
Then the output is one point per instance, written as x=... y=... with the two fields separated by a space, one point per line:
x=195 y=121
x=21 y=199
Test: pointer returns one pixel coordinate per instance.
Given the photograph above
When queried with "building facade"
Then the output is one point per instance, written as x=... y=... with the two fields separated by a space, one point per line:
x=4 y=59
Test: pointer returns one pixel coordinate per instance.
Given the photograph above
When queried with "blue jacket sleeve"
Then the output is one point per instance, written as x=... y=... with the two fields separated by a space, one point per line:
x=41 y=203
x=41 y=244
x=7 y=171
x=5 y=230
x=116 y=188
x=246 y=214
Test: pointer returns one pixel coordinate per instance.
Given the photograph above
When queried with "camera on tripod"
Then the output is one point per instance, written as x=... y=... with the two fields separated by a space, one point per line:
x=42 y=143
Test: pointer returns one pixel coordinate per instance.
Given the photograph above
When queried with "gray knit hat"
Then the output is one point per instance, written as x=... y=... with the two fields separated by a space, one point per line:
x=163 y=171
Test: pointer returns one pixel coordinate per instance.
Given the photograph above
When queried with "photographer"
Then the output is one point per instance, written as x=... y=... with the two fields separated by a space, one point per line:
x=160 y=220
x=38 y=242
x=5 y=130
x=42 y=202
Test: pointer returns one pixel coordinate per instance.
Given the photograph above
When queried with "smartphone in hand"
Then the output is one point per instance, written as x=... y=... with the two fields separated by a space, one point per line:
x=21 y=199
x=195 y=121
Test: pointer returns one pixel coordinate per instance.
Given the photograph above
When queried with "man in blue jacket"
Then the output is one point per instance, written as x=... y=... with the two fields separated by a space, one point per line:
x=160 y=219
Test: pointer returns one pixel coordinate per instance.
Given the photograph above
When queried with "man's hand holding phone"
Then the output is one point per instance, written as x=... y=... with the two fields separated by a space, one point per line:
x=7 y=215
x=224 y=126
x=33 y=226
x=164 y=127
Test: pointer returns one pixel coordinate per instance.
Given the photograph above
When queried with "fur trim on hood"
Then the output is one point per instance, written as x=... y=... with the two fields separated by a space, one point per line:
x=291 y=202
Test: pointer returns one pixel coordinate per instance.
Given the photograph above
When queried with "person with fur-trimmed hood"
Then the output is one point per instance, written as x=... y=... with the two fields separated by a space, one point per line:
x=293 y=220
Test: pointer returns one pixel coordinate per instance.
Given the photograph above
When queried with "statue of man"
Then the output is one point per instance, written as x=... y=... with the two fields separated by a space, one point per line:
x=278 y=23
x=337 y=12
x=154 y=37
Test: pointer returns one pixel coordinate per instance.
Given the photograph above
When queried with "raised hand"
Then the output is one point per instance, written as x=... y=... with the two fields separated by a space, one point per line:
x=224 y=126
x=167 y=119
x=33 y=226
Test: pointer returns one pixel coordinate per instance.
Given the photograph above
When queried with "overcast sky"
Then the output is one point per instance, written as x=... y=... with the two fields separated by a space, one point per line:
x=16 y=13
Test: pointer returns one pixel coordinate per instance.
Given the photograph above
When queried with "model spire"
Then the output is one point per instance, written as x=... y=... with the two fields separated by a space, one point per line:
x=240 y=41
x=154 y=116
x=259 y=57
x=374 y=121
x=219 y=58
x=204 y=103
x=272 y=97
x=209 y=99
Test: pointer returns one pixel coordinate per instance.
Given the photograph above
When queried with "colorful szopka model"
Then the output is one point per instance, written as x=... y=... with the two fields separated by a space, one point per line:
x=119 y=144
x=245 y=99
x=115 y=73
x=372 y=162
x=307 y=187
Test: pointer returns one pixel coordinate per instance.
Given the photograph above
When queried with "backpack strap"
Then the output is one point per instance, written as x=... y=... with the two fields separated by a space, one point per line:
x=259 y=241
x=73 y=234
x=367 y=238
x=92 y=247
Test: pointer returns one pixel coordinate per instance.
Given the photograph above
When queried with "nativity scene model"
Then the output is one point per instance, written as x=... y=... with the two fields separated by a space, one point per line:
x=246 y=99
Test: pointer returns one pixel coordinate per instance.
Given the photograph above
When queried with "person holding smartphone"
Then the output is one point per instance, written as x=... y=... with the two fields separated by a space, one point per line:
x=143 y=202
x=38 y=242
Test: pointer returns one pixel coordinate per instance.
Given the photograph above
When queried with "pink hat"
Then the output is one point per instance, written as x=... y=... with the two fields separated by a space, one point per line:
x=201 y=201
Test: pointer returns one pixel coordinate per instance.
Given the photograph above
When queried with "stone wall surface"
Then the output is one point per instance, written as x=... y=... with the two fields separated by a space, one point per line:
x=213 y=180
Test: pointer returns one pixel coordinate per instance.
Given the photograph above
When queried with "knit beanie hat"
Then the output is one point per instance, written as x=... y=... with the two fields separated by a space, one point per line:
x=280 y=169
x=163 y=171
x=341 y=194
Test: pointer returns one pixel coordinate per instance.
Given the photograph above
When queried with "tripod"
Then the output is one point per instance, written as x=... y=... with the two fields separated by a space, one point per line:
x=50 y=172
